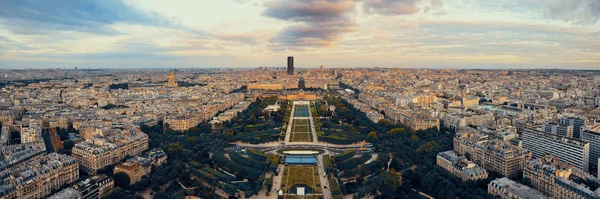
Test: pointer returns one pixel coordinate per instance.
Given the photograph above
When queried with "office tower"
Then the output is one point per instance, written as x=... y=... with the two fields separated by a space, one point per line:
x=594 y=139
x=572 y=151
x=576 y=122
x=290 y=65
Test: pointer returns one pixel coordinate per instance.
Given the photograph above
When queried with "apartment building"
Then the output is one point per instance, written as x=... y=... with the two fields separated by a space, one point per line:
x=569 y=150
x=98 y=153
x=508 y=189
x=460 y=166
x=40 y=177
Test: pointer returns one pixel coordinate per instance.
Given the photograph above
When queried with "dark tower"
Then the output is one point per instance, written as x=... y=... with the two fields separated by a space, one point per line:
x=290 y=65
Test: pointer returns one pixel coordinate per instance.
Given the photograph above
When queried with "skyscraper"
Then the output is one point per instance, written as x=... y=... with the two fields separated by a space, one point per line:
x=290 y=65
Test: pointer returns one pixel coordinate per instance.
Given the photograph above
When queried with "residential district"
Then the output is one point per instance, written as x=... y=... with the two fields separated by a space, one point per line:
x=273 y=132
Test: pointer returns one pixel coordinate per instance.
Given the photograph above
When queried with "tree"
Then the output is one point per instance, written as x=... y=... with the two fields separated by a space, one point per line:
x=388 y=183
x=161 y=195
x=396 y=130
x=372 y=136
x=122 y=180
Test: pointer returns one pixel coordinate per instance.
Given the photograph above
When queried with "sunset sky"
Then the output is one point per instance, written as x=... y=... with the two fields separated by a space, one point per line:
x=345 y=33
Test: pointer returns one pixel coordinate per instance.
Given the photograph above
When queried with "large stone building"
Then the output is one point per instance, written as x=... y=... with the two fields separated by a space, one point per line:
x=460 y=166
x=491 y=154
x=257 y=86
x=39 y=178
x=135 y=168
x=558 y=179
x=98 y=153
x=508 y=189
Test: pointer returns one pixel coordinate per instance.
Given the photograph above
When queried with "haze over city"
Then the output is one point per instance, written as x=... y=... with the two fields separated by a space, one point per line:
x=247 y=34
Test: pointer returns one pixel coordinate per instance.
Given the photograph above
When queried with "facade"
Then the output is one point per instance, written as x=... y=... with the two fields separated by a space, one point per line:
x=135 y=168
x=459 y=166
x=576 y=122
x=491 y=154
x=290 y=65
x=99 y=152
x=95 y=187
x=572 y=151
x=558 y=129
x=501 y=157
x=594 y=139
x=30 y=134
x=560 y=180
x=40 y=177
x=508 y=189
x=264 y=86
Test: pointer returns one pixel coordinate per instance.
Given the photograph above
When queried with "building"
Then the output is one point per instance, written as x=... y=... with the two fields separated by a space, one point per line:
x=558 y=179
x=100 y=152
x=576 y=122
x=301 y=95
x=540 y=172
x=257 y=86
x=30 y=134
x=156 y=156
x=171 y=81
x=38 y=178
x=492 y=154
x=508 y=189
x=572 y=151
x=135 y=168
x=558 y=129
x=68 y=193
x=593 y=138
x=459 y=166
x=95 y=187
x=290 y=65
x=14 y=155
x=501 y=157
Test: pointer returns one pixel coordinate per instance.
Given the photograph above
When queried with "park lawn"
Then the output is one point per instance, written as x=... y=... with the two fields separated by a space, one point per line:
x=301 y=137
x=301 y=125
x=301 y=175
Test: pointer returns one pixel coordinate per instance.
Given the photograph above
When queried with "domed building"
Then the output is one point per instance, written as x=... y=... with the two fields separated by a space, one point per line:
x=171 y=82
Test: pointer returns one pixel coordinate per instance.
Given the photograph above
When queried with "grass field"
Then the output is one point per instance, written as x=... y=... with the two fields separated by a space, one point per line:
x=301 y=175
x=300 y=126
x=301 y=137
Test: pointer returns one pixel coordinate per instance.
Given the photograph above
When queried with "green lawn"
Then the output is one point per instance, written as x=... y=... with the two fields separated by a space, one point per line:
x=301 y=137
x=301 y=175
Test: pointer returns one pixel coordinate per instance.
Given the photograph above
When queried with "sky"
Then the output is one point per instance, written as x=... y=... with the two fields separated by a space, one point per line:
x=334 y=33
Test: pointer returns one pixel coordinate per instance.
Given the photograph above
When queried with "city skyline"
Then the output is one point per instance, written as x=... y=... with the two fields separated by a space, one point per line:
x=247 y=34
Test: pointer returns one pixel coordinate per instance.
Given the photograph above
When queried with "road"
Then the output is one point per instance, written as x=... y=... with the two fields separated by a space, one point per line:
x=323 y=177
x=289 y=127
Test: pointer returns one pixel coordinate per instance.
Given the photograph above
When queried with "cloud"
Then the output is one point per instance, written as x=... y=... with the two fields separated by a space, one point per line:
x=399 y=7
x=574 y=11
x=39 y=17
x=318 y=22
